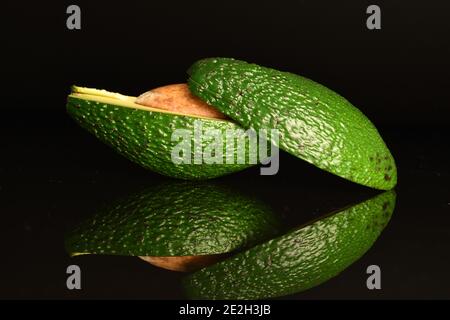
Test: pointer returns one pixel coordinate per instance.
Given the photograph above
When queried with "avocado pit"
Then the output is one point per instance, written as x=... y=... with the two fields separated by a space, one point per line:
x=183 y=263
x=178 y=99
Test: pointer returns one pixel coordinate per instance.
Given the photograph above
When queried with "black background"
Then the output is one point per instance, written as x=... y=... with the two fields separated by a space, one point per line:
x=53 y=174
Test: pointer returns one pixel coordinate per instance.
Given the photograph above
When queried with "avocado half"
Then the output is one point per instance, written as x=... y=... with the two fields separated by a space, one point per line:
x=144 y=134
x=314 y=123
x=301 y=259
x=176 y=225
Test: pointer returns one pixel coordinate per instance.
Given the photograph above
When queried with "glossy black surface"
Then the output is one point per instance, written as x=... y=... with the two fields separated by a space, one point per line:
x=53 y=175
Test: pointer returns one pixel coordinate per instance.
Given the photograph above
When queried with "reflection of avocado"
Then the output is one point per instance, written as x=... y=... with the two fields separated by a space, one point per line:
x=298 y=260
x=176 y=219
x=314 y=123
x=146 y=135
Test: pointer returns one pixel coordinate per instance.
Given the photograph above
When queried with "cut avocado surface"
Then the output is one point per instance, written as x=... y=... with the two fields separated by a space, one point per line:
x=144 y=134
x=300 y=259
x=175 y=219
x=314 y=123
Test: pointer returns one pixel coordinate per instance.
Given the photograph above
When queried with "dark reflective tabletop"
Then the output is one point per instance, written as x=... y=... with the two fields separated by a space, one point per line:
x=54 y=177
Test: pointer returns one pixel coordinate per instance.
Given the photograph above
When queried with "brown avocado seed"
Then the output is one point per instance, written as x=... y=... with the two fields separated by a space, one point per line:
x=183 y=263
x=177 y=98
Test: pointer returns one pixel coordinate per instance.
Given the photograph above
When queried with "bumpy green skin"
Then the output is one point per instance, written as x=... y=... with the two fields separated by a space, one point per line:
x=315 y=123
x=144 y=137
x=176 y=219
x=299 y=260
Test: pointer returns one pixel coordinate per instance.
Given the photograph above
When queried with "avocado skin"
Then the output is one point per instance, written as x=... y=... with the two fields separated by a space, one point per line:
x=315 y=123
x=144 y=137
x=175 y=219
x=298 y=260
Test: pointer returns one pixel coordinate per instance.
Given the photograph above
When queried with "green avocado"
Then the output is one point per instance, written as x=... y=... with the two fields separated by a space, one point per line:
x=314 y=123
x=145 y=135
x=298 y=260
x=175 y=219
